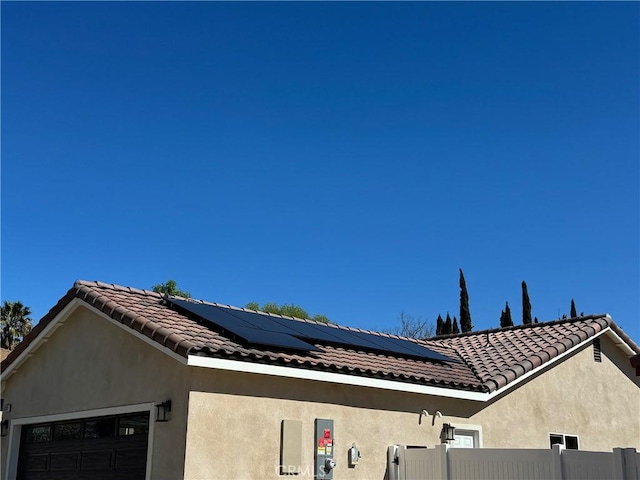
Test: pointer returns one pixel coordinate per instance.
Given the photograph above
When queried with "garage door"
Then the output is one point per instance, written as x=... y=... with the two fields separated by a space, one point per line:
x=99 y=448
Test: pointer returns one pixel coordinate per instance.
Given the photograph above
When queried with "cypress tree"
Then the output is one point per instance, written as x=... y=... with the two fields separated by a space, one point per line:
x=574 y=312
x=456 y=328
x=526 y=305
x=439 y=325
x=465 y=313
x=535 y=319
x=505 y=317
x=448 y=328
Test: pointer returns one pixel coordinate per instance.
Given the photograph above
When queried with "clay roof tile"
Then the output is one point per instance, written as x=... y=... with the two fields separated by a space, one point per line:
x=488 y=360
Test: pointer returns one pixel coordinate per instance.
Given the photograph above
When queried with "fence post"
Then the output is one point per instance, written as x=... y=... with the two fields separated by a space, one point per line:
x=556 y=461
x=632 y=462
x=626 y=465
x=618 y=464
x=443 y=461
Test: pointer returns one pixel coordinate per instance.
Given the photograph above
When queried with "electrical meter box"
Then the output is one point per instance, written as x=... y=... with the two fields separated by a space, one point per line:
x=324 y=449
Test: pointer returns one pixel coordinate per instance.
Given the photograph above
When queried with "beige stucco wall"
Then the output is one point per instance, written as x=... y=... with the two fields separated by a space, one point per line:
x=234 y=418
x=598 y=402
x=233 y=427
x=89 y=363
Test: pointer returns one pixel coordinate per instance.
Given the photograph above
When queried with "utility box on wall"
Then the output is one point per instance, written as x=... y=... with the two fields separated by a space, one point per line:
x=290 y=447
x=324 y=449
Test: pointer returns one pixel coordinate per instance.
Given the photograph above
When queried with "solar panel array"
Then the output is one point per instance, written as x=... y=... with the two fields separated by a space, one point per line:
x=259 y=329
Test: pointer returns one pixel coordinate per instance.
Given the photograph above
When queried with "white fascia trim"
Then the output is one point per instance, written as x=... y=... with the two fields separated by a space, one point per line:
x=57 y=321
x=62 y=317
x=550 y=364
x=330 y=377
x=624 y=346
x=15 y=430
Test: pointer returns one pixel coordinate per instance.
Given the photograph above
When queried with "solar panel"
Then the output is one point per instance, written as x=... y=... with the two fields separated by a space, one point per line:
x=239 y=327
x=419 y=350
x=262 y=322
x=282 y=340
x=257 y=328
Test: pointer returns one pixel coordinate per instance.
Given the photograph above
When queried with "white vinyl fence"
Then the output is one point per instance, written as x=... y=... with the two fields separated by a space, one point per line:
x=442 y=463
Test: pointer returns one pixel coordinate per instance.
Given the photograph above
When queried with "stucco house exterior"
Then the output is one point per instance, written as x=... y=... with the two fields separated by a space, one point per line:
x=85 y=395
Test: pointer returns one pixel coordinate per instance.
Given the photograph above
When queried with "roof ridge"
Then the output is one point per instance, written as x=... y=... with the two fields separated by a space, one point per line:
x=559 y=321
x=115 y=286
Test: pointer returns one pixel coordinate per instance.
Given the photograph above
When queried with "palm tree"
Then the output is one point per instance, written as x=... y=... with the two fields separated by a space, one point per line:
x=15 y=323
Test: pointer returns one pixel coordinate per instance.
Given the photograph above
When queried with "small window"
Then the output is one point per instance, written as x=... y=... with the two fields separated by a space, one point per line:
x=569 y=442
x=67 y=431
x=100 y=428
x=134 y=425
x=556 y=440
x=38 y=434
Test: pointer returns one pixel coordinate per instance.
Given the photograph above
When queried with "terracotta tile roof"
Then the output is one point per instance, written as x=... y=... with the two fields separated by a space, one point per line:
x=486 y=360
x=499 y=356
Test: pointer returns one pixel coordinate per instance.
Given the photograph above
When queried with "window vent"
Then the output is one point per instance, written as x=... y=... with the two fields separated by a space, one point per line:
x=597 y=354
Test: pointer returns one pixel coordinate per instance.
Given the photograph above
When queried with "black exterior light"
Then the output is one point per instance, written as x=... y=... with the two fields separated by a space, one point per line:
x=448 y=433
x=162 y=411
x=4 y=428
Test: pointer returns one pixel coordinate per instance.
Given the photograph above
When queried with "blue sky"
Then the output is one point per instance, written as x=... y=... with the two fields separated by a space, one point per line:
x=347 y=157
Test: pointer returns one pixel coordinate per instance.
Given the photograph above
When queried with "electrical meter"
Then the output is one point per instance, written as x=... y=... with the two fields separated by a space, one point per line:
x=324 y=449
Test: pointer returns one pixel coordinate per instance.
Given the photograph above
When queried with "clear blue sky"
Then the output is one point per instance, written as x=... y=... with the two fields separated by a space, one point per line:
x=347 y=157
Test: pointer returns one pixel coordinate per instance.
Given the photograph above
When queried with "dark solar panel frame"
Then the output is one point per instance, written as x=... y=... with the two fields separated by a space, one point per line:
x=261 y=329
x=282 y=340
x=245 y=331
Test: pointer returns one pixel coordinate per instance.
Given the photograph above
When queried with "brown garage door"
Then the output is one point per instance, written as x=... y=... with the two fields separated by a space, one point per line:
x=100 y=448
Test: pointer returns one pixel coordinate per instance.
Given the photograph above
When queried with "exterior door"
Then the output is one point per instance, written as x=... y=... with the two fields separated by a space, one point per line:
x=99 y=448
x=464 y=439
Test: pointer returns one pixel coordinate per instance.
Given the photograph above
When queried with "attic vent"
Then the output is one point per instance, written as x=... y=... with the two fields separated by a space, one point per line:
x=597 y=355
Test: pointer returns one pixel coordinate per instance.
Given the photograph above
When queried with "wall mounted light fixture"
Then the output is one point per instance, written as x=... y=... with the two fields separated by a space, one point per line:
x=162 y=411
x=448 y=433
x=4 y=428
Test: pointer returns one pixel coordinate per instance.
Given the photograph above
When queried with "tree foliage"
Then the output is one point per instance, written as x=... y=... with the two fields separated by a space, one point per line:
x=413 y=327
x=439 y=325
x=287 y=310
x=448 y=326
x=15 y=323
x=574 y=312
x=505 y=317
x=465 y=313
x=455 y=328
x=171 y=288
x=526 y=305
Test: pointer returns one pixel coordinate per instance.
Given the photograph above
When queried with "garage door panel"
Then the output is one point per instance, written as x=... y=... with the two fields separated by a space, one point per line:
x=104 y=448
x=97 y=460
x=64 y=461
x=38 y=462
x=131 y=459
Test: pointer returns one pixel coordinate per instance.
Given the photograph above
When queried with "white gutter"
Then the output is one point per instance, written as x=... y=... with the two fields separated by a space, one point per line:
x=331 y=377
x=297 y=372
